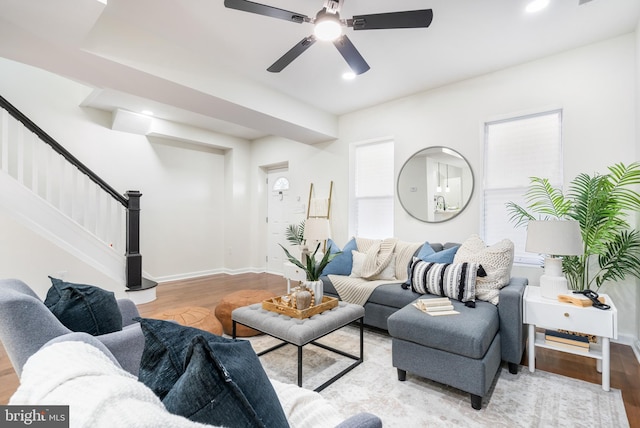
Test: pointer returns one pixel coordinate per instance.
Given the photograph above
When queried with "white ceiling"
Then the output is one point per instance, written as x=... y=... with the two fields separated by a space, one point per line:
x=197 y=62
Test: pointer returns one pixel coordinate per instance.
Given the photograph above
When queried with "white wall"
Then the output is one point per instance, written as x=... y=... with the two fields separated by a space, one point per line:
x=594 y=86
x=187 y=187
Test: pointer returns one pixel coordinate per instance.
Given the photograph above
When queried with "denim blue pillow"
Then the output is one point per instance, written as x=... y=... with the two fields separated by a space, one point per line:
x=84 y=308
x=444 y=256
x=425 y=251
x=341 y=264
x=207 y=378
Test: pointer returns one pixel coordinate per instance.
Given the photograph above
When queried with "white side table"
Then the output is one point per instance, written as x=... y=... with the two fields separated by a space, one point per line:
x=551 y=314
x=292 y=272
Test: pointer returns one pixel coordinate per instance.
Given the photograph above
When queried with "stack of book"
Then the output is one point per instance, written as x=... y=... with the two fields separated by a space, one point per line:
x=567 y=340
x=438 y=306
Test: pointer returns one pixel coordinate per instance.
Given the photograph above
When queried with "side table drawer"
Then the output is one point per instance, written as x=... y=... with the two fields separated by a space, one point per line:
x=565 y=317
x=293 y=272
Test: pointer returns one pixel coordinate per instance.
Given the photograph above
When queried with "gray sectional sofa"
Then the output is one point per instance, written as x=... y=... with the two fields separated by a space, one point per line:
x=465 y=350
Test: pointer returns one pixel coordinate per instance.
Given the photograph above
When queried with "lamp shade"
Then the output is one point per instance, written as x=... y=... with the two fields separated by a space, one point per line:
x=554 y=237
x=317 y=229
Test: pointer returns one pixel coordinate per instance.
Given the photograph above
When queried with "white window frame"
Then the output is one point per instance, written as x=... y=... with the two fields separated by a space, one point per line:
x=387 y=197
x=498 y=226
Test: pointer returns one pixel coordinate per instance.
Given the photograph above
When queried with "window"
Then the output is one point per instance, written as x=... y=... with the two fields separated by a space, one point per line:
x=515 y=150
x=372 y=190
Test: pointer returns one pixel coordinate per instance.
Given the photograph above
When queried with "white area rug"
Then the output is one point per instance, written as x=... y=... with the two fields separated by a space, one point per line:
x=537 y=399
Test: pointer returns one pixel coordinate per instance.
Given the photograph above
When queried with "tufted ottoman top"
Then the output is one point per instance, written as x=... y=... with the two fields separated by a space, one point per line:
x=297 y=331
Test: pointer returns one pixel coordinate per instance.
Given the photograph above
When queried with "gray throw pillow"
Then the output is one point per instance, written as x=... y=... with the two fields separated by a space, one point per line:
x=207 y=378
x=84 y=308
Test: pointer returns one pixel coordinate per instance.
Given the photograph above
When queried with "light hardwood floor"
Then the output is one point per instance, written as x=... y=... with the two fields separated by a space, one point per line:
x=207 y=292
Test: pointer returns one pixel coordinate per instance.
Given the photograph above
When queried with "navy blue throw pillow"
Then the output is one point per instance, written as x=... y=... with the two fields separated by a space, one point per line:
x=84 y=308
x=207 y=378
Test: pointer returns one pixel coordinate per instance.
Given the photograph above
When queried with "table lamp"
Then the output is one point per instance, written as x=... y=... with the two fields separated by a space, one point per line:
x=554 y=238
x=316 y=229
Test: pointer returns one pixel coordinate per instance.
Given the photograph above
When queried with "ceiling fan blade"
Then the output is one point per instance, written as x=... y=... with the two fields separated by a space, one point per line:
x=351 y=54
x=292 y=54
x=261 y=9
x=381 y=21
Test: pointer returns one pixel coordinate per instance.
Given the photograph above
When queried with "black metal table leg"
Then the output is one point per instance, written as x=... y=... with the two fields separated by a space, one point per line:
x=300 y=366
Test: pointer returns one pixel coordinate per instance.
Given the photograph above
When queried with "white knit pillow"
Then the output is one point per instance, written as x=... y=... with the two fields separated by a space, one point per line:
x=496 y=260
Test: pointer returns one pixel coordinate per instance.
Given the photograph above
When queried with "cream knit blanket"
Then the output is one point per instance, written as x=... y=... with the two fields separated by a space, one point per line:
x=377 y=257
x=358 y=290
x=102 y=395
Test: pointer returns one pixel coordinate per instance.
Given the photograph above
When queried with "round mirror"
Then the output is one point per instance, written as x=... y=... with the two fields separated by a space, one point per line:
x=435 y=184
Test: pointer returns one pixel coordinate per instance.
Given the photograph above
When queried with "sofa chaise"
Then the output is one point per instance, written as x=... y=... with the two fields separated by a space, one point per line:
x=464 y=350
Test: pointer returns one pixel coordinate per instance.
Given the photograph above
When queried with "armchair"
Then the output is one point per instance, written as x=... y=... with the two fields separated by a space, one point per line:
x=26 y=324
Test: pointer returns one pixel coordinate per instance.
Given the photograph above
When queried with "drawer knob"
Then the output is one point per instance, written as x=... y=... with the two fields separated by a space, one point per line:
x=566 y=314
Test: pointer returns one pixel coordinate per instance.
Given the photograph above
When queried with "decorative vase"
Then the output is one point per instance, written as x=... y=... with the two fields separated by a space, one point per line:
x=316 y=287
x=303 y=299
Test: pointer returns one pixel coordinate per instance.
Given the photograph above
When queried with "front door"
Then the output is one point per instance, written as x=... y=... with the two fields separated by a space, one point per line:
x=277 y=217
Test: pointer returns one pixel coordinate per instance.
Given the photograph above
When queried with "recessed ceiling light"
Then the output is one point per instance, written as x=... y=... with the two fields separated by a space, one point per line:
x=536 y=6
x=348 y=75
x=147 y=112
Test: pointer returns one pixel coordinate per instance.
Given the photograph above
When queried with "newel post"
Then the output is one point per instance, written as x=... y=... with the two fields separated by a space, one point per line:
x=132 y=255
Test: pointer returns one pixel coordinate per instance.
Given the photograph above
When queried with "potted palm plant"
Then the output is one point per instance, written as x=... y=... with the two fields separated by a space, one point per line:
x=313 y=268
x=601 y=204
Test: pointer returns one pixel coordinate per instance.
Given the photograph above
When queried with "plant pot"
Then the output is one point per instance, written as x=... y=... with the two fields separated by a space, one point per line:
x=316 y=287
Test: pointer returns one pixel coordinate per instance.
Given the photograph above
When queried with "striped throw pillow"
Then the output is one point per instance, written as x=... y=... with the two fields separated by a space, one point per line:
x=453 y=280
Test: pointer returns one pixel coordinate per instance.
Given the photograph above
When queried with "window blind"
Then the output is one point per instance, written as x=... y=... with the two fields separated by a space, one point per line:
x=517 y=149
x=373 y=191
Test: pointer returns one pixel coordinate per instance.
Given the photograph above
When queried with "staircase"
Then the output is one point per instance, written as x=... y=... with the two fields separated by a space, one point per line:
x=47 y=189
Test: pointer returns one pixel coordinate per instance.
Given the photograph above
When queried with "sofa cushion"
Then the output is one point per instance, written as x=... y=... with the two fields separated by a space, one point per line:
x=497 y=261
x=341 y=264
x=84 y=308
x=180 y=362
x=468 y=333
x=393 y=295
x=456 y=281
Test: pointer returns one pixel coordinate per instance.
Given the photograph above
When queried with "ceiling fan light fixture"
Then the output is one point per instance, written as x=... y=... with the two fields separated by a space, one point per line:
x=327 y=26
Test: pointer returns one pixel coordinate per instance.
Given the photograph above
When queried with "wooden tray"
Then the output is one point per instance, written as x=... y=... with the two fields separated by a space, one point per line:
x=275 y=305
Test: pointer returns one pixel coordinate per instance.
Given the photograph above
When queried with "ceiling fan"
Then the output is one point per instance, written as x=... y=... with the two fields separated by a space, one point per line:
x=328 y=26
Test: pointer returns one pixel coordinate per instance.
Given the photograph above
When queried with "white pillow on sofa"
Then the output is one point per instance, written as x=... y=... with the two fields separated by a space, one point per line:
x=497 y=261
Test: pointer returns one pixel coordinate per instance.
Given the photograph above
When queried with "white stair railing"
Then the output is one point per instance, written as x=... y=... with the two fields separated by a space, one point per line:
x=43 y=171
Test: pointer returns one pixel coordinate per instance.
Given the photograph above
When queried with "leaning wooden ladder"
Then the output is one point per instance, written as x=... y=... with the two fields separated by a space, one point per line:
x=319 y=208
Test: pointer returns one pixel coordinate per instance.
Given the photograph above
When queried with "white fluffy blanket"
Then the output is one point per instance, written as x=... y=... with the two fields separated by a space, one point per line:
x=358 y=290
x=100 y=394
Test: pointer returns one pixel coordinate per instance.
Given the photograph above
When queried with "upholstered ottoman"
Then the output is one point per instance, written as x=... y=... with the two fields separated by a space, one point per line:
x=460 y=350
x=236 y=300
x=192 y=316
x=300 y=332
